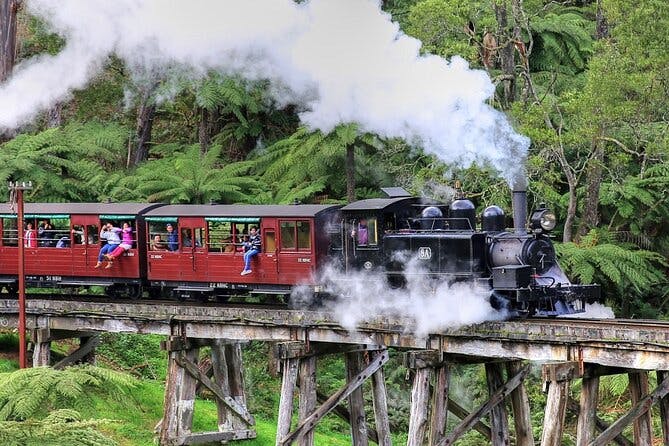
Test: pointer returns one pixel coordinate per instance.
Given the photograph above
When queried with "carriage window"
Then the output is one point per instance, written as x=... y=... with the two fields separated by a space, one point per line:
x=93 y=234
x=186 y=238
x=288 y=235
x=9 y=232
x=303 y=236
x=270 y=241
x=221 y=237
x=78 y=235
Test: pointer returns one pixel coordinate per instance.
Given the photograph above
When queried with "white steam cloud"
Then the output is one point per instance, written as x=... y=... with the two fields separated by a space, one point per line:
x=423 y=306
x=341 y=61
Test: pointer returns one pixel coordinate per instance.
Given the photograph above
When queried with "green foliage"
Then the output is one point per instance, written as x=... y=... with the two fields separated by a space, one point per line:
x=563 y=42
x=62 y=427
x=184 y=175
x=443 y=25
x=64 y=164
x=138 y=354
x=308 y=163
x=30 y=392
x=624 y=273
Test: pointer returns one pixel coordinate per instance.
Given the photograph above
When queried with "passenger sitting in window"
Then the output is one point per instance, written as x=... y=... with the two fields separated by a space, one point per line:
x=157 y=244
x=126 y=243
x=252 y=249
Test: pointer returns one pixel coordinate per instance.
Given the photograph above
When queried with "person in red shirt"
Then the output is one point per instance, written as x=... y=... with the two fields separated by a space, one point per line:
x=30 y=237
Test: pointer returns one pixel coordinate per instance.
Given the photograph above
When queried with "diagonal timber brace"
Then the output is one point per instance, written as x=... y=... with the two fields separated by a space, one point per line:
x=635 y=412
x=495 y=398
x=310 y=422
x=230 y=402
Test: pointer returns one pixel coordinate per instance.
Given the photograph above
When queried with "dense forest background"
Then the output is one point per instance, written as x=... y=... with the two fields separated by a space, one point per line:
x=586 y=81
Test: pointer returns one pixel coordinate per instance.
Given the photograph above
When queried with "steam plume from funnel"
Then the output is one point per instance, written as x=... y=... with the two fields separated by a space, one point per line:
x=340 y=61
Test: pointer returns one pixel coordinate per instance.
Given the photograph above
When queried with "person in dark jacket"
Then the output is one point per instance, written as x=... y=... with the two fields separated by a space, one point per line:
x=251 y=249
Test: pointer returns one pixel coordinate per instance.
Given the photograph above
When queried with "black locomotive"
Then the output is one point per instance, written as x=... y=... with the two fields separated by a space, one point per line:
x=442 y=243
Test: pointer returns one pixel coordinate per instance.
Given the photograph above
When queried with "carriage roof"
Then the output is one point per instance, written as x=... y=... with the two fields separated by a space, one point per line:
x=240 y=210
x=53 y=210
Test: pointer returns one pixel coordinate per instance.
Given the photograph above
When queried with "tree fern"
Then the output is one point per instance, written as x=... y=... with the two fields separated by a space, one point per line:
x=29 y=392
x=60 y=428
x=620 y=269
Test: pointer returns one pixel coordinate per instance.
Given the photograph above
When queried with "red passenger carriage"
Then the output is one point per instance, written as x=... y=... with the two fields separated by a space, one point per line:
x=66 y=250
x=208 y=255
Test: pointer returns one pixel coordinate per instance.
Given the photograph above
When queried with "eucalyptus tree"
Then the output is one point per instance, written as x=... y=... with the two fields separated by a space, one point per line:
x=185 y=175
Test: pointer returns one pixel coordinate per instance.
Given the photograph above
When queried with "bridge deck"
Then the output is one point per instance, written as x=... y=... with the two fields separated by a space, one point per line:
x=629 y=344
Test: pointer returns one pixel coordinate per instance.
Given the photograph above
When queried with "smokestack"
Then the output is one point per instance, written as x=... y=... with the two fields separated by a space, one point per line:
x=520 y=211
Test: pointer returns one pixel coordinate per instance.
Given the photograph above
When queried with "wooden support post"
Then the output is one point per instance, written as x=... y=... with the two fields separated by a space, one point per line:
x=439 y=404
x=220 y=374
x=638 y=385
x=520 y=404
x=307 y=383
x=499 y=420
x=233 y=359
x=336 y=398
x=380 y=402
x=288 y=382
x=420 y=397
x=557 y=378
x=179 y=399
x=587 y=415
x=663 y=375
x=356 y=402
x=41 y=347
x=636 y=411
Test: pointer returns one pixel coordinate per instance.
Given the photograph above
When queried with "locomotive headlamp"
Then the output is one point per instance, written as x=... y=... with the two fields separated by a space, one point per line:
x=543 y=219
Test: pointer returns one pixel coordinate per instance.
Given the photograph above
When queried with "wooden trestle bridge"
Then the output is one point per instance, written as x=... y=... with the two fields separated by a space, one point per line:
x=565 y=349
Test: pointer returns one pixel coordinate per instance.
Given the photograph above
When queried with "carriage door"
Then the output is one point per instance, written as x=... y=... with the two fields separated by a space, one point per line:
x=270 y=259
x=84 y=241
x=192 y=250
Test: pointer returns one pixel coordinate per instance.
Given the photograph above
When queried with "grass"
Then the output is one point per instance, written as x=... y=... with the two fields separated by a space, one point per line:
x=137 y=414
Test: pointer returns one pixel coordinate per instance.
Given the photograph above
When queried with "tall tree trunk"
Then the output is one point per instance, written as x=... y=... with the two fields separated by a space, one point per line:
x=208 y=127
x=602 y=29
x=8 y=10
x=145 y=116
x=506 y=52
x=593 y=182
x=594 y=171
x=350 y=173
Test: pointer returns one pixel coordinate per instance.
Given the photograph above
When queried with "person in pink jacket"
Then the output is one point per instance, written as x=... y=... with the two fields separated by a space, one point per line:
x=126 y=243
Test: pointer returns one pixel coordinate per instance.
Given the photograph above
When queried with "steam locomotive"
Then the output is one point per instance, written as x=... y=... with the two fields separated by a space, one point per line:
x=201 y=254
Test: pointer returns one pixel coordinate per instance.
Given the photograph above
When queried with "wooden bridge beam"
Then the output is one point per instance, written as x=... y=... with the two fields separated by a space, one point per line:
x=587 y=414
